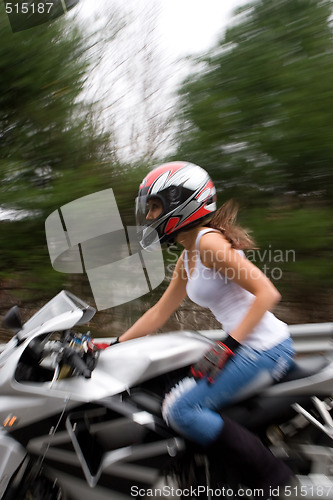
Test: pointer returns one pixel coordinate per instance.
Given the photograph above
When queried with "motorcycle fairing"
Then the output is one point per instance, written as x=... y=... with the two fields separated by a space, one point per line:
x=119 y=368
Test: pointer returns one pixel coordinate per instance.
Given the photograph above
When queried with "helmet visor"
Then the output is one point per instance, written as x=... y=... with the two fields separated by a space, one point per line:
x=145 y=223
x=141 y=210
x=149 y=209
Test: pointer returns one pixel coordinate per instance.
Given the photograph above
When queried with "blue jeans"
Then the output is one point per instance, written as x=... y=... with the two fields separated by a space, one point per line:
x=195 y=414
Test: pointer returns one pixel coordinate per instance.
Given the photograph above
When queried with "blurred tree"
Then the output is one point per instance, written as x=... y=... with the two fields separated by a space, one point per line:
x=138 y=94
x=257 y=112
x=52 y=150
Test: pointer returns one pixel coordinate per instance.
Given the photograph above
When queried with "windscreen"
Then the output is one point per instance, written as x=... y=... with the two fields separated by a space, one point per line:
x=60 y=304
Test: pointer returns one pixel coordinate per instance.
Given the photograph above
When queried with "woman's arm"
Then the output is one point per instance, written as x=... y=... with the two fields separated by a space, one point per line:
x=216 y=252
x=157 y=315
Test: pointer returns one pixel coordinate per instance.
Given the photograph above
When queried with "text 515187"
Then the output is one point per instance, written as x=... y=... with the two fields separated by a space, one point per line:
x=29 y=8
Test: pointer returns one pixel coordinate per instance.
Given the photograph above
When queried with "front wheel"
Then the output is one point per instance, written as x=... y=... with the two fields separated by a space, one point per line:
x=35 y=485
x=42 y=489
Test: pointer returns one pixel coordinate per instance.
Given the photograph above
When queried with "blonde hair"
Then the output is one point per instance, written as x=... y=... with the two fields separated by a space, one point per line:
x=225 y=221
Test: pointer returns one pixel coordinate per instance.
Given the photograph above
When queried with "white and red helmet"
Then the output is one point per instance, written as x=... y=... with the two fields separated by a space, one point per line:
x=188 y=197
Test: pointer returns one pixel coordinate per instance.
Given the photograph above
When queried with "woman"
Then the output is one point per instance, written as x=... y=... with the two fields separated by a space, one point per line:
x=177 y=201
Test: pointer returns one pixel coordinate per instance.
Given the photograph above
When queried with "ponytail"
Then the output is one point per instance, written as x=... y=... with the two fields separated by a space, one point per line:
x=225 y=221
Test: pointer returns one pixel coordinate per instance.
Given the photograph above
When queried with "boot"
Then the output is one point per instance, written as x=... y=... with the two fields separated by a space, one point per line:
x=252 y=463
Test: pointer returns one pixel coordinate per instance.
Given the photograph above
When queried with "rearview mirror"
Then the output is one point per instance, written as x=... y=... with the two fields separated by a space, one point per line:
x=12 y=320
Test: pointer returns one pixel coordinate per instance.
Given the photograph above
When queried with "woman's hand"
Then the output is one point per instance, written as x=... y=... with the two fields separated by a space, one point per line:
x=215 y=359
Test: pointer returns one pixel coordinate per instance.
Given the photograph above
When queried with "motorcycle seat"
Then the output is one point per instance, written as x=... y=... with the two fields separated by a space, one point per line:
x=305 y=367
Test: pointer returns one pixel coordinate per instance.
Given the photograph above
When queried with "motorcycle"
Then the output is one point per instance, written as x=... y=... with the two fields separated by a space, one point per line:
x=78 y=423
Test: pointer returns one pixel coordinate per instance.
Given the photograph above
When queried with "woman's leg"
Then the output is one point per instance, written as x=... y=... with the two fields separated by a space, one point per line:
x=251 y=462
x=195 y=414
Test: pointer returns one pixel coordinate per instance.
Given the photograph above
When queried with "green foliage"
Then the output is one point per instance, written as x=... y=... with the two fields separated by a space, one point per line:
x=297 y=240
x=51 y=149
x=258 y=110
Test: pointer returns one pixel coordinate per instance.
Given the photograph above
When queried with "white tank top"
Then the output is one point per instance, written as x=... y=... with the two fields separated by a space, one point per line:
x=229 y=302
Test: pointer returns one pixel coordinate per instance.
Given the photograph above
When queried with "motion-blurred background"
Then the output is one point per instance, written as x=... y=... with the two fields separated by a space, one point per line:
x=92 y=101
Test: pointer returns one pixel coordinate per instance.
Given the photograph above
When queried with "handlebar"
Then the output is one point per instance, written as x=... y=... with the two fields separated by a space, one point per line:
x=74 y=360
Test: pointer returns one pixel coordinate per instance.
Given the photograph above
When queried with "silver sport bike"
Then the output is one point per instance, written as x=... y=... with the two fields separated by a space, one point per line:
x=77 y=423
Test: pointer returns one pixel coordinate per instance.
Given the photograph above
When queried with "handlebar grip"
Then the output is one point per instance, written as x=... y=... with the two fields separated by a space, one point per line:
x=75 y=361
